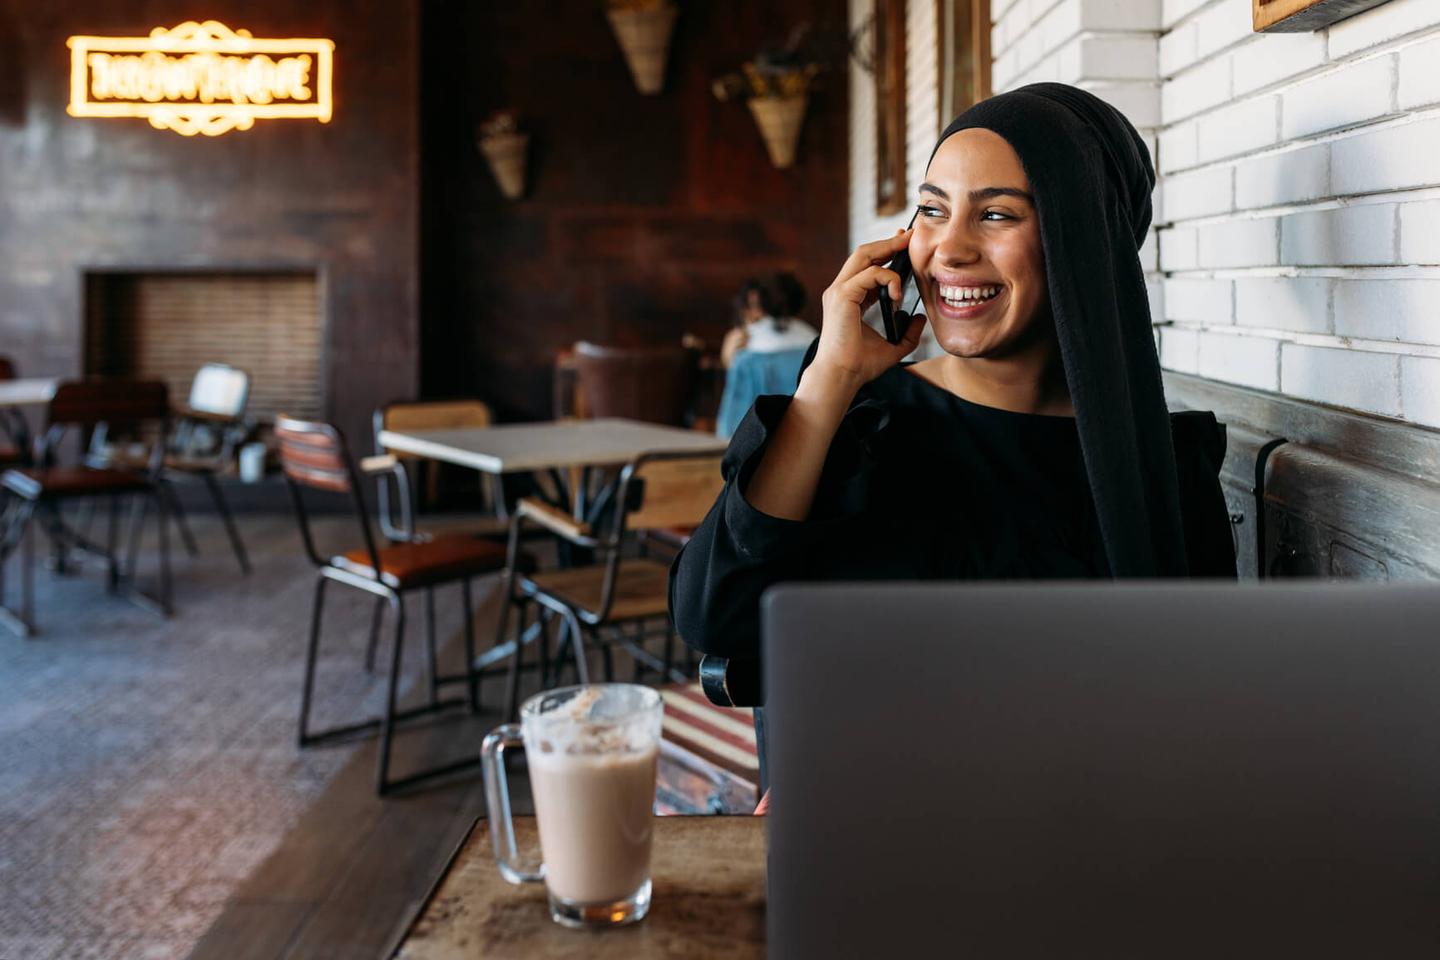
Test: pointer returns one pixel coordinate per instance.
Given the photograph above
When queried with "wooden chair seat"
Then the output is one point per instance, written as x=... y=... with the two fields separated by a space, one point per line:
x=36 y=484
x=642 y=588
x=404 y=566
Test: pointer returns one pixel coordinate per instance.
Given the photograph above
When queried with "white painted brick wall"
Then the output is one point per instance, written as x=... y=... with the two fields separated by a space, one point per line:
x=1391 y=20
x=1239 y=243
x=1420 y=233
x=1206 y=301
x=1248 y=361
x=1276 y=57
x=1293 y=176
x=1407 y=311
x=1350 y=95
x=1343 y=378
x=1347 y=236
x=1238 y=128
x=1420 y=390
x=1420 y=74
x=1393 y=158
x=1283 y=303
x=1334 y=296
x=1180 y=349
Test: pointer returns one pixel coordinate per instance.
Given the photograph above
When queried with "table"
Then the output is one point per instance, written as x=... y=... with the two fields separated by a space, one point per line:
x=709 y=901
x=21 y=393
x=518 y=447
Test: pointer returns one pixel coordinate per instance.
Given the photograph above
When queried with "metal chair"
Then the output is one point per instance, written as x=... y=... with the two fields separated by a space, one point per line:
x=432 y=415
x=655 y=491
x=43 y=489
x=202 y=445
x=315 y=455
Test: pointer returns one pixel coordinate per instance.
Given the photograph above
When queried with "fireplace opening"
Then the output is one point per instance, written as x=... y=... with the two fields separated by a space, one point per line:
x=165 y=325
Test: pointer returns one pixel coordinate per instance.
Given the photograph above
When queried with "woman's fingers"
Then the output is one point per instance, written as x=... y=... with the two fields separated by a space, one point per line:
x=873 y=253
x=858 y=288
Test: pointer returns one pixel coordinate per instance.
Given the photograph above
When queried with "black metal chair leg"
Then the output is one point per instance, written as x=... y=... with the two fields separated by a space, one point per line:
x=512 y=693
x=112 y=534
x=577 y=641
x=387 y=726
x=543 y=643
x=607 y=658
x=167 y=598
x=227 y=518
x=139 y=510
x=472 y=679
x=376 y=616
x=669 y=648
x=311 y=650
x=27 y=576
x=430 y=647
x=173 y=499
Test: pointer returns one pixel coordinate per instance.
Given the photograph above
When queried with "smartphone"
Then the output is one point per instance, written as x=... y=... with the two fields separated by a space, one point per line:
x=895 y=326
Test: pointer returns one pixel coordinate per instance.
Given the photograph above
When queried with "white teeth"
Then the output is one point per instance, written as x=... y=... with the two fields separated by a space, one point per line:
x=964 y=294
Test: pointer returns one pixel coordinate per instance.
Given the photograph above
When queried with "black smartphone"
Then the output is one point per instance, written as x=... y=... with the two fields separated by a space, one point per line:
x=895 y=326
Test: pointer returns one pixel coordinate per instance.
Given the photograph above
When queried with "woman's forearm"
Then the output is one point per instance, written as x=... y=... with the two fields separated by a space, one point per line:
x=785 y=481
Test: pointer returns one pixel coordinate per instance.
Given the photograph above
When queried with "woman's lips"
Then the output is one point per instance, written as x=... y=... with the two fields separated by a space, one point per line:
x=970 y=310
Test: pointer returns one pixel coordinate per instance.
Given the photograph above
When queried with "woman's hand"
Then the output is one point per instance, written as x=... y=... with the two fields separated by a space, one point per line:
x=851 y=353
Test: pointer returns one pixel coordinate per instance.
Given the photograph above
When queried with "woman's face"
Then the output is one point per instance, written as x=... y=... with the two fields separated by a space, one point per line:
x=976 y=249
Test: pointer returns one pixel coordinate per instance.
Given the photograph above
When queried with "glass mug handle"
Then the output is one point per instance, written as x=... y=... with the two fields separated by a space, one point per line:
x=497 y=798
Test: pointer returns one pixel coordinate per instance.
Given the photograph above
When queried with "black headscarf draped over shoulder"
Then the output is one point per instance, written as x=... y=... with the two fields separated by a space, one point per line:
x=1091 y=177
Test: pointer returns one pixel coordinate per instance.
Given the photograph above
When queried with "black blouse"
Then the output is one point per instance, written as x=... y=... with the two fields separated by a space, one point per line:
x=921 y=484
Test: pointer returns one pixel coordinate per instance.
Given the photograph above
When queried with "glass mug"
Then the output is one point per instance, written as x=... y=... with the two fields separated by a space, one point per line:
x=591 y=752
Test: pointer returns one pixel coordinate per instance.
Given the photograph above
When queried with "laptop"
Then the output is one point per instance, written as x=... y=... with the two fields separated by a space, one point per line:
x=1104 y=770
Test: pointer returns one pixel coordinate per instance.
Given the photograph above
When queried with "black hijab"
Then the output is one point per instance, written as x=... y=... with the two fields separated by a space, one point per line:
x=1091 y=178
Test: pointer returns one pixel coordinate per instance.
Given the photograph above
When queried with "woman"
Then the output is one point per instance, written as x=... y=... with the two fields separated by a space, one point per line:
x=1038 y=446
x=767 y=319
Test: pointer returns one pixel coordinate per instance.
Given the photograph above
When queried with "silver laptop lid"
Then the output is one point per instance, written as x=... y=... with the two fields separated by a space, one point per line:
x=1104 y=770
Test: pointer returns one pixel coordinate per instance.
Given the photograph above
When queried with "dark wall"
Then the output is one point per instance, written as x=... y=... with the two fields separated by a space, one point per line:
x=115 y=194
x=643 y=214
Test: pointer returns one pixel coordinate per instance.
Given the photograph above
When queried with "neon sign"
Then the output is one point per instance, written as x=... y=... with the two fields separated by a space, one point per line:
x=201 y=78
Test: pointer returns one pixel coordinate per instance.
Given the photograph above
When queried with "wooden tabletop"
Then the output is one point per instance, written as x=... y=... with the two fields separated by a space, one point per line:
x=516 y=447
x=709 y=901
x=19 y=393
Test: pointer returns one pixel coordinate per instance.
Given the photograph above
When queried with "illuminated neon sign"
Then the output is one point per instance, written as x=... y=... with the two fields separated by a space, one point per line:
x=201 y=78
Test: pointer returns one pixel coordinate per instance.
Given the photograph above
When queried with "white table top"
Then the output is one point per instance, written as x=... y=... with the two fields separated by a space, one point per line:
x=19 y=393
x=516 y=447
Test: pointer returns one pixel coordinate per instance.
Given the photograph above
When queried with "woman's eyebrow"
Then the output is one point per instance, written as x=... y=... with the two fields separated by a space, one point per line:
x=990 y=193
x=984 y=193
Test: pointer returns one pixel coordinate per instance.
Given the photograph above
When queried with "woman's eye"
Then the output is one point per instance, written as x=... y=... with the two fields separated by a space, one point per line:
x=995 y=215
x=928 y=212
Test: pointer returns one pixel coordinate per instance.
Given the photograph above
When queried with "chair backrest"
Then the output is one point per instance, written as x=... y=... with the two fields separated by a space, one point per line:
x=653 y=384
x=670 y=490
x=432 y=415
x=7 y=369
x=220 y=389
x=115 y=403
x=314 y=454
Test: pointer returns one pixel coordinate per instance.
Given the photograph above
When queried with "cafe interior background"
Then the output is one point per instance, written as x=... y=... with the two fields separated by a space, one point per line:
x=364 y=251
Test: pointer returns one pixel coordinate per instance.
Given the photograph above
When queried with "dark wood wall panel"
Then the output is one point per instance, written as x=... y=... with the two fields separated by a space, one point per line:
x=643 y=214
x=340 y=200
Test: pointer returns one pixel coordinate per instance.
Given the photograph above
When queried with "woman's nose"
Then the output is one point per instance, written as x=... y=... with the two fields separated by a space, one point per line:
x=957 y=245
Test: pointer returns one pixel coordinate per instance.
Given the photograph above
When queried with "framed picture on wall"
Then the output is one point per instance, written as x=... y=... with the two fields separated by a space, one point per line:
x=1303 y=16
x=890 y=188
x=963 y=55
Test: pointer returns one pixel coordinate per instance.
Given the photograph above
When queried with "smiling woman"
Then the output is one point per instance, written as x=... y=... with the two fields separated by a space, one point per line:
x=1037 y=446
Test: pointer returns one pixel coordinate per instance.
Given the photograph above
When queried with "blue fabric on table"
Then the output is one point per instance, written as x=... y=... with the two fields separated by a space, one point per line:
x=754 y=375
